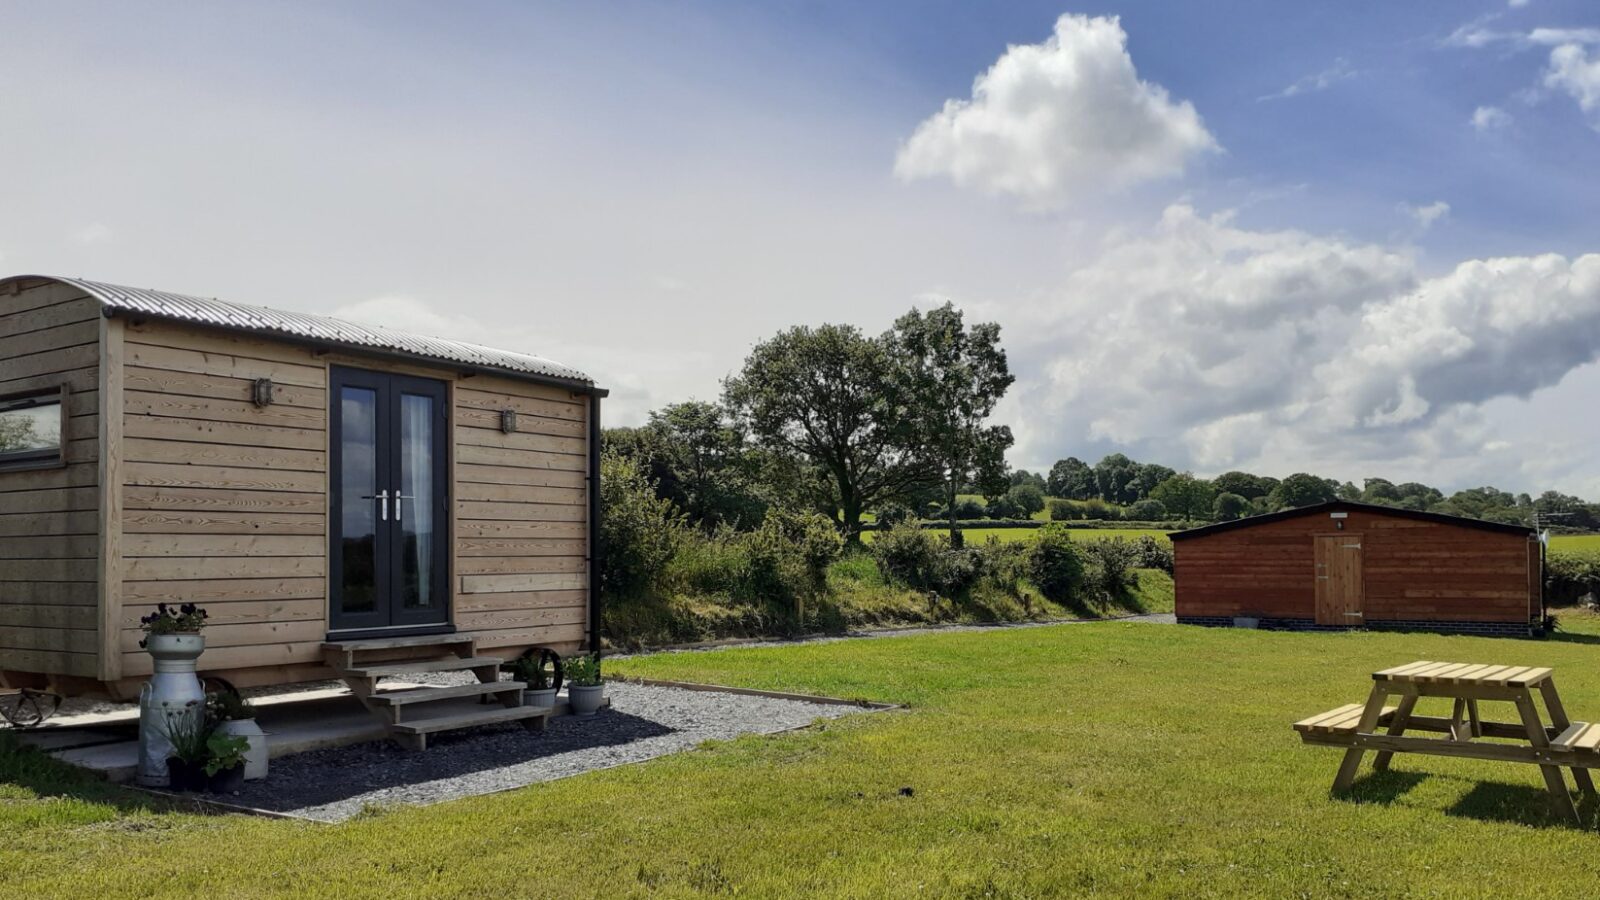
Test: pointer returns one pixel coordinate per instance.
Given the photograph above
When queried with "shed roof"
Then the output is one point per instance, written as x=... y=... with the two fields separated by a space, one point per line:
x=1347 y=505
x=319 y=330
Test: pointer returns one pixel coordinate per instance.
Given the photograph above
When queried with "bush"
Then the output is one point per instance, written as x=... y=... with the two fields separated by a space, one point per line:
x=639 y=531
x=968 y=508
x=805 y=537
x=1568 y=576
x=1056 y=564
x=1147 y=510
x=907 y=554
x=1153 y=554
x=1109 y=573
x=1027 y=498
x=892 y=514
x=1003 y=508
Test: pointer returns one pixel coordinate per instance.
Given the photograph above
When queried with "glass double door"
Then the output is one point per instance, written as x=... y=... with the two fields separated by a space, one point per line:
x=388 y=541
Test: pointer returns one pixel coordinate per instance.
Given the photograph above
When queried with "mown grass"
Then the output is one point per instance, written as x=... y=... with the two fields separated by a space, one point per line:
x=979 y=535
x=1575 y=542
x=1107 y=758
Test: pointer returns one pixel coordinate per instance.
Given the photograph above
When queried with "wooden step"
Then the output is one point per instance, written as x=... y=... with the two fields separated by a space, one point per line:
x=395 y=643
x=455 y=664
x=425 y=694
x=415 y=734
x=1579 y=736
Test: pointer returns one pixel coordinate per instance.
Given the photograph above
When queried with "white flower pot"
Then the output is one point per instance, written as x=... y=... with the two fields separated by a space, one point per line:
x=585 y=699
x=173 y=690
x=256 y=751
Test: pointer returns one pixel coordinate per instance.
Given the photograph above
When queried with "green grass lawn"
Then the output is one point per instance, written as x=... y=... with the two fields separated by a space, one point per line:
x=1111 y=758
x=1575 y=542
x=978 y=535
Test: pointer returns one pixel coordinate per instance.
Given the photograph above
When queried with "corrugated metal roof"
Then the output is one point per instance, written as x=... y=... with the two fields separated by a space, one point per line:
x=262 y=320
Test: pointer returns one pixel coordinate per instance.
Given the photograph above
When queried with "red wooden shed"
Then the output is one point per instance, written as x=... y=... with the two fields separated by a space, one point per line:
x=1352 y=565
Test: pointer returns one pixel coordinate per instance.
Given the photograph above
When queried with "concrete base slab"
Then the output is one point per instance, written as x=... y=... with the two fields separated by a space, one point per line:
x=108 y=743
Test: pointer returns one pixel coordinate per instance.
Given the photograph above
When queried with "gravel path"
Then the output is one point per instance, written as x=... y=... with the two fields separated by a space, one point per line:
x=643 y=722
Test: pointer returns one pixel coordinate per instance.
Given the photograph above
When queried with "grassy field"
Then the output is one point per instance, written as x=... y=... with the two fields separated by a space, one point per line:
x=1109 y=758
x=978 y=535
x=1585 y=543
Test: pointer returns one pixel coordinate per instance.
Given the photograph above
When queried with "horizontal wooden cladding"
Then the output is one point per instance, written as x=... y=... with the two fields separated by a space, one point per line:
x=524 y=398
x=26 y=317
x=521 y=493
x=151 y=545
x=247 y=434
x=230 y=657
x=527 y=423
x=505 y=529
x=58 y=337
x=510 y=600
x=143 y=521
x=233 y=478
x=63 y=498
x=49 y=638
x=491 y=584
x=520 y=459
x=472 y=547
x=519 y=565
x=82 y=384
x=313 y=609
x=206 y=568
x=25 y=570
x=166 y=498
x=35 y=546
x=554 y=636
x=224 y=591
x=521 y=619
x=45 y=523
x=242 y=635
x=186 y=348
x=82 y=617
x=467 y=473
x=249 y=457
x=521 y=512
x=219 y=387
x=521 y=441
x=49 y=362
x=174 y=406
x=47 y=593
x=52 y=662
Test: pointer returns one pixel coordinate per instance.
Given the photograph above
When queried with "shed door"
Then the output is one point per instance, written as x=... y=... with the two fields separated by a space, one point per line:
x=1339 y=581
x=389 y=545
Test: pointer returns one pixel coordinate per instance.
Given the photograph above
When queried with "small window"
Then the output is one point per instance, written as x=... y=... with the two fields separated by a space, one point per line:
x=30 y=430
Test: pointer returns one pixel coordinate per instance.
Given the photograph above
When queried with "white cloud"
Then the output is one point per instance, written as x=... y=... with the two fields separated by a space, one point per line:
x=1490 y=118
x=1426 y=216
x=1319 y=81
x=1048 y=122
x=1207 y=345
x=1477 y=33
x=1577 y=73
x=1516 y=4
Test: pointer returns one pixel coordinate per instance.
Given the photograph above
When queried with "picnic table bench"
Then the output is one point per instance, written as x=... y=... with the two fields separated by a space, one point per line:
x=1379 y=727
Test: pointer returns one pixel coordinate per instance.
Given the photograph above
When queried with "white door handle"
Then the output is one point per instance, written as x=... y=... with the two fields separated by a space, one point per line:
x=397 y=498
x=383 y=505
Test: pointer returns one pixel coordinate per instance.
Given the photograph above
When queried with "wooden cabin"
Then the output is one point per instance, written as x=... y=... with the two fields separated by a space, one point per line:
x=1356 y=565
x=321 y=488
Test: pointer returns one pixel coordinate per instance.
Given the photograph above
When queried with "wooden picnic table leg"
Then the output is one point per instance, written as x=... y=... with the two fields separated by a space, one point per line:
x=1477 y=721
x=1397 y=726
x=1368 y=724
x=1560 y=799
x=1458 y=712
x=1558 y=718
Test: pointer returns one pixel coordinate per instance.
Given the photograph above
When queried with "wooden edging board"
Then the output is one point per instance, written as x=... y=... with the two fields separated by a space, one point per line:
x=226 y=807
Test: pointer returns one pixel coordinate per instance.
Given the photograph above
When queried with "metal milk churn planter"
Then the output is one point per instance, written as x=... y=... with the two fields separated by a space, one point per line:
x=174 y=690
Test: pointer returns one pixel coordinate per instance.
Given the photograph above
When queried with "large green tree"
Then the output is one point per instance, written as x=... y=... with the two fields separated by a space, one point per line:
x=1071 y=478
x=1113 y=478
x=1302 y=489
x=1186 y=496
x=828 y=401
x=950 y=377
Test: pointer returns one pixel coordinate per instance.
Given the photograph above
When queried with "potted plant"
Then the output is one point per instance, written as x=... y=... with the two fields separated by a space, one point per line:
x=186 y=732
x=225 y=762
x=235 y=716
x=585 y=691
x=174 y=631
x=541 y=672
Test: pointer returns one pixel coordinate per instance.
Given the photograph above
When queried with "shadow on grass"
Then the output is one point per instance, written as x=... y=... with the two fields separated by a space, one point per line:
x=1568 y=637
x=1382 y=788
x=1494 y=801
x=32 y=769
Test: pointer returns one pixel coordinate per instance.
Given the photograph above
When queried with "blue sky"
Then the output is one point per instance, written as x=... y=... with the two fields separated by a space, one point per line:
x=1349 y=238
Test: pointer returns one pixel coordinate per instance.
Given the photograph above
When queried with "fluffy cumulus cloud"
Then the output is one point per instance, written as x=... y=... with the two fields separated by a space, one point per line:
x=1204 y=344
x=1576 y=70
x=1490 y=118
x=1049 y=121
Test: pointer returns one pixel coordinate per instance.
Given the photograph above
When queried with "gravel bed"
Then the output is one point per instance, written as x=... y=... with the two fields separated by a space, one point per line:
x=643 y=722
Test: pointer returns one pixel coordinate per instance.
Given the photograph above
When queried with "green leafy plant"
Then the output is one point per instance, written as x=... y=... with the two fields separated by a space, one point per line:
x=186 y=730
x=530 y=671
x=184 y=619
x=229 y=706
x=224 y=751
x=1057 y=565
x=584 y=670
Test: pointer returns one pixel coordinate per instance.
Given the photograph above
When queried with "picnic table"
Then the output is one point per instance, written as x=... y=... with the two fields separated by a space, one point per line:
x=1379 y=727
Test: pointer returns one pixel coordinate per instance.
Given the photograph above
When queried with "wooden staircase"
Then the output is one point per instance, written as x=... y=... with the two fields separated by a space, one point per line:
x=409 y=715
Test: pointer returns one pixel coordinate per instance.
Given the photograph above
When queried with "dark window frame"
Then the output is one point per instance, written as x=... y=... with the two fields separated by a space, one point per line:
x=45 y=457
